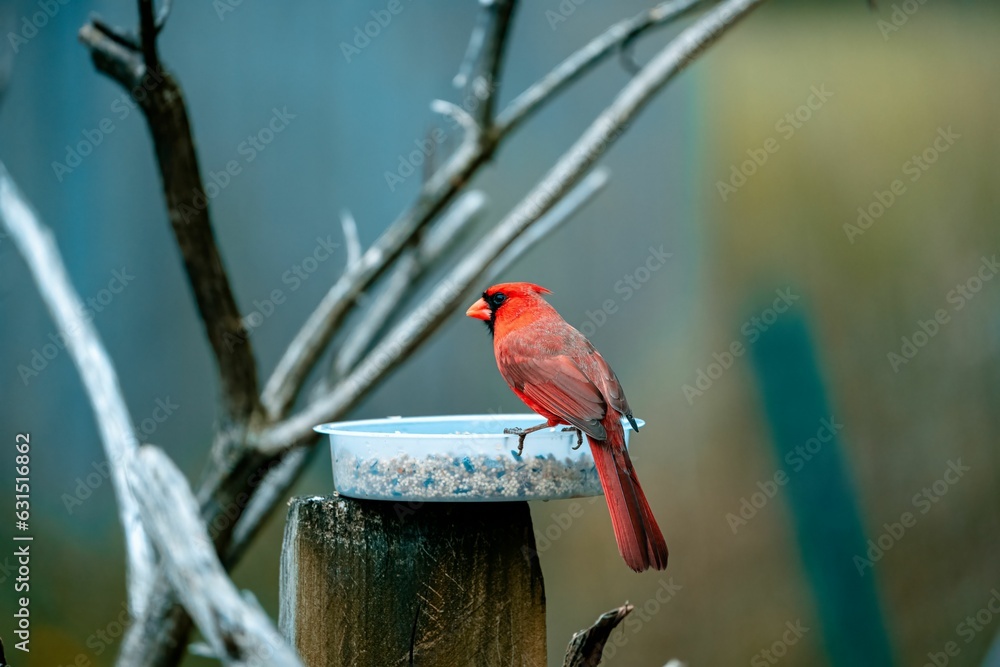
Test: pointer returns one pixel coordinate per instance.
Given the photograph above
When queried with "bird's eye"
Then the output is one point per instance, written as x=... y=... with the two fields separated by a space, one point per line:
x=499 y=298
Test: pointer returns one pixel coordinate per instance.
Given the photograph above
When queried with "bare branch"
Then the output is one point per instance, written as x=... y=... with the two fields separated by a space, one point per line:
x=237 y=629
x=586 y=647
x=39 y=250
x=480 y=69
x=157 y=638
x=305 y=349
x=350 y=237
x=605 y=129
x=162 y=101
x=474 y=50
x=405 y=273
x=147 y=35
x=271 y=490
x=452 y=227
x=584 y=60
x=462 y=117
x=577 y=198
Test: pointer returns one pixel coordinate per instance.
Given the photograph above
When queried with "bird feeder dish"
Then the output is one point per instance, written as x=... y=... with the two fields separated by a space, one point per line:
x=459 y=458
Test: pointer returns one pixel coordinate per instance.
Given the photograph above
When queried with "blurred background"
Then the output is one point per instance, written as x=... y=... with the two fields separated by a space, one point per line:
x=817 y=361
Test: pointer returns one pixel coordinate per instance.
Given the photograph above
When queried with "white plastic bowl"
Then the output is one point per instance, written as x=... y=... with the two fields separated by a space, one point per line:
x=459 y=458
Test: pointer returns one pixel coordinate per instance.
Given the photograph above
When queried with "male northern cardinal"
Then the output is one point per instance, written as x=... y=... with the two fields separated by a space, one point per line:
x=559 y=375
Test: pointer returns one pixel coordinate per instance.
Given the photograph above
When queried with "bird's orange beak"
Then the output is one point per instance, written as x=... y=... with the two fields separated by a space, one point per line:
x=479 y=310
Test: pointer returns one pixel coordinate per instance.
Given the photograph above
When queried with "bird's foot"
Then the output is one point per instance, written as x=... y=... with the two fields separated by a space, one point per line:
x=521 y=434
x=579 y=436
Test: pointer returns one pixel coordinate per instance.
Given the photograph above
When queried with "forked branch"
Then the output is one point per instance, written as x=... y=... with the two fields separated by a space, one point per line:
x=138 y=70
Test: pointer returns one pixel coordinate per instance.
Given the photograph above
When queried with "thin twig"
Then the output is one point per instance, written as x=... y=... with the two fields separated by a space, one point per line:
x=351 y=239
x=486 y=85
x=238 y=630
x=405 y=273
x=442 y=301
x=567 y=207
x=272 y=489
x=587 y=58
x=147 y=34
x=161 y=99
x=305 y=349
x=39 y=250
x=473 y=52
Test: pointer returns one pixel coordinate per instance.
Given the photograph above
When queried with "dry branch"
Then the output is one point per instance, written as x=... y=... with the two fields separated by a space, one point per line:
x=584 y=60
x=405 y=273
x=160 y=97
x=577 y=198
x=36 y=245
x=486 y=52
x=236 y=628
x=305 y=349
x=586 y=647
x=272 y=490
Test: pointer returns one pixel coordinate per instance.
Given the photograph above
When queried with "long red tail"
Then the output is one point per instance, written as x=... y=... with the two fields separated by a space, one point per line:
x=639 y=538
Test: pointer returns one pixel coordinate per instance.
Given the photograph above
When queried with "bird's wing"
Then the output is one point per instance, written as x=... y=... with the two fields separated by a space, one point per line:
x=558 y=385
x=597 y=369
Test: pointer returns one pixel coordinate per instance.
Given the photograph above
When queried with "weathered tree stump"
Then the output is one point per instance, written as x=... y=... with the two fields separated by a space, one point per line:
x=370 y=583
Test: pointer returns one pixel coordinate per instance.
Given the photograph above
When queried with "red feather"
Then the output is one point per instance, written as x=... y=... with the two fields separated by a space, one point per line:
x=555 y=370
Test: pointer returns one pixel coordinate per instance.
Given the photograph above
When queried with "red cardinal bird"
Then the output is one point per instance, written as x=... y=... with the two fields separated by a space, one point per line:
x=559 y=375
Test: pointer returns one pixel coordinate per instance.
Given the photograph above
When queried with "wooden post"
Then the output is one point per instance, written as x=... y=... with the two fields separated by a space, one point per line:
x=370 y=583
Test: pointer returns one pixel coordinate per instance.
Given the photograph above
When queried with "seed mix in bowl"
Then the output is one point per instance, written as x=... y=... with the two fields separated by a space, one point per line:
x=472 y=477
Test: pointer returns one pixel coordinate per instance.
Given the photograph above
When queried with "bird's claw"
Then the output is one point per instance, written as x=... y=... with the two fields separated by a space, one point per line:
x=520 y=433
x=579 y=436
